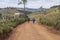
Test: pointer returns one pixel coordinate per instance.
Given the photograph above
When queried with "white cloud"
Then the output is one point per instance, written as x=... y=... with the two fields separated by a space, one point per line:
x=30 y=3
x=7 y=0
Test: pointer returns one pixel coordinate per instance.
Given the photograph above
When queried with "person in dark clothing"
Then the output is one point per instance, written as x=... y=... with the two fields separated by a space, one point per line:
x=33 y=19
x=28 y=19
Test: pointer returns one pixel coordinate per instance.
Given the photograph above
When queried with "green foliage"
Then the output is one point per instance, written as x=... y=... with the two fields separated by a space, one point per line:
x=8 y=25
x=24 y=1
x=51 y=18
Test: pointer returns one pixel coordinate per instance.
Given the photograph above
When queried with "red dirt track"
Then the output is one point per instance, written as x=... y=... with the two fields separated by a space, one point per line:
x=30 y=31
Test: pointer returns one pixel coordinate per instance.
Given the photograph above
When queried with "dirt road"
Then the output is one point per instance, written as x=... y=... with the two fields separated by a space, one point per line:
x=30 y=31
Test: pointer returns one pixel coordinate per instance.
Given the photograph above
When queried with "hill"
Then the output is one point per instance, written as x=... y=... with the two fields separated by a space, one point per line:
x=12 y=10
x=52 y=17
x=8 y=10
x=54 y=9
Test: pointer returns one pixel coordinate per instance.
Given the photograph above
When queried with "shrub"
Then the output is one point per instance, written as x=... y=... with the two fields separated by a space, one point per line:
x=7 y=26
x=52 y=19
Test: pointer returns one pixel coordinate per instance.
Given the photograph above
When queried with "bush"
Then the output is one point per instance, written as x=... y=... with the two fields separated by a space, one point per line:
x=52 y=19
x=7 y=26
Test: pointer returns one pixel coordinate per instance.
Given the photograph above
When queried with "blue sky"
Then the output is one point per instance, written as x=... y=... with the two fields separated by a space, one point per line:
x=30 y=3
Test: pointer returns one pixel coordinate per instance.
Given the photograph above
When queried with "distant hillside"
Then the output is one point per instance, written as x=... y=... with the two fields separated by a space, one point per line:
x=12 y=10
x=56 y=6
x=30 y=9
x=34 y=9
x=8 y=10
x=54 y=9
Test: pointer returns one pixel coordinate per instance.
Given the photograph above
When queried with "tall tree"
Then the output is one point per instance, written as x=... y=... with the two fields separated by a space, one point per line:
x=24 y=3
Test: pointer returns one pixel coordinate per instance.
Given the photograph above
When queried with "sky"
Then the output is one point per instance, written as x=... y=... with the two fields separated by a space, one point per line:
x=30 y=3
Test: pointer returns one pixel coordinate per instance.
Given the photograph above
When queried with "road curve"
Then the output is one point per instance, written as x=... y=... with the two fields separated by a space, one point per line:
x=30 y=31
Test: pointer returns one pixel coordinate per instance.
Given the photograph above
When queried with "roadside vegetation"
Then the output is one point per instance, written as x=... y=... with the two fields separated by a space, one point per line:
x=52 y=17
x=10 y=17
x=7 y=25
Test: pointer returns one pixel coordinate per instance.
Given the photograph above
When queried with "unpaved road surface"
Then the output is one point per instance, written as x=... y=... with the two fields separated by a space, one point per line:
x=30 y=31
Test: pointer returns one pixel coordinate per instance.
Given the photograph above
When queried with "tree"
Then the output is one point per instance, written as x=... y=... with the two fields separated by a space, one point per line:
x=41 y=8
x=24 y=3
